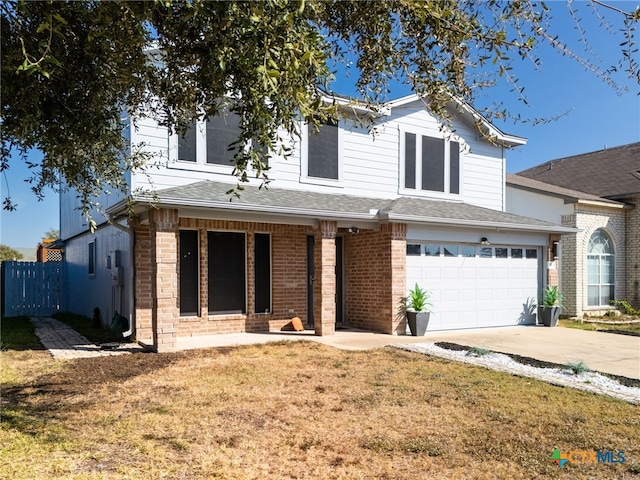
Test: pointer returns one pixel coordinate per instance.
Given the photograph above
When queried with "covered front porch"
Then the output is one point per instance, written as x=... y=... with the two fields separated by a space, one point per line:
x=198 y=277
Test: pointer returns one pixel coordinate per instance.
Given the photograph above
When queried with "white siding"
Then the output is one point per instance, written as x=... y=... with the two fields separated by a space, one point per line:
x=85 y=292
x=72 y=222
x=370 y=161
x=537 y=205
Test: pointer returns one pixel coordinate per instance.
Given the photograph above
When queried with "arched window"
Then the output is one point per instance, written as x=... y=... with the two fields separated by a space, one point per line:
x=600 y=269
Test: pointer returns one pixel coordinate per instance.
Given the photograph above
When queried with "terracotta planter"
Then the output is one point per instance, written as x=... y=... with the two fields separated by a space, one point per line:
x=549 y=316
x=418 y=322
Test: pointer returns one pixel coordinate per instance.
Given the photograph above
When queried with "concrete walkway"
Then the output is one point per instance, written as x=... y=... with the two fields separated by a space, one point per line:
x=603 y=352
x=63 y=342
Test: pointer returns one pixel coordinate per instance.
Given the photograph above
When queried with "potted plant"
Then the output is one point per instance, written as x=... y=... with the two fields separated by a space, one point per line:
x=417 y=311
x=551 y=306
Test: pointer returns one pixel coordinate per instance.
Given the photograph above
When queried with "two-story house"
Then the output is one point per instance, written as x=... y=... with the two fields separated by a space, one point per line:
x=350 y=221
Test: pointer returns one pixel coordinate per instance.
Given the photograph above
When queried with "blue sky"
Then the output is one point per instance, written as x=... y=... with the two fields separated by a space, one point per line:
x=597 y=117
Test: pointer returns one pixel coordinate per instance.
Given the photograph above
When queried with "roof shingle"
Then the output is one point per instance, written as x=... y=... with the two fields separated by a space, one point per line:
x=611 y=173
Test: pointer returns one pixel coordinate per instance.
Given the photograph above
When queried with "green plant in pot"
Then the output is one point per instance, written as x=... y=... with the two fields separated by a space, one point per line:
x=551 y=306
x=417 y=309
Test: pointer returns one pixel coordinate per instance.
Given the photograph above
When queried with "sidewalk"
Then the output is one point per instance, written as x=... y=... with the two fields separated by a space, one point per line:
x=65 y=343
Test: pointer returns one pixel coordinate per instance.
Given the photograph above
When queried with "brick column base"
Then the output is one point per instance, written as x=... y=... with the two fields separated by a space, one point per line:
x=164 y=247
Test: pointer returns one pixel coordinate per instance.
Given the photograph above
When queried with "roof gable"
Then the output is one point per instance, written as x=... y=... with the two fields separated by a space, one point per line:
x=471 y=117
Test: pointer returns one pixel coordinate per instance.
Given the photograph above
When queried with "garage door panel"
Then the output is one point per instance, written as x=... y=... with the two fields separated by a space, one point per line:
x=432 y=274
x=501 y=294
x=451 y=296
x=474 y=292
x=485 y=273
x=450 y=273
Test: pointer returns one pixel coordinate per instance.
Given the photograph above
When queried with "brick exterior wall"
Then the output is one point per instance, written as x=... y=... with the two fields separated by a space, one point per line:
x=375 y=278
x=574 y=254
x=164 y=253
x=288 y=273
x=633 y=253
x=144 y=274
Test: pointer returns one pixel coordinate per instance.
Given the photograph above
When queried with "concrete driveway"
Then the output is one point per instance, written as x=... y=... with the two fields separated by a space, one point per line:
x=604 y=352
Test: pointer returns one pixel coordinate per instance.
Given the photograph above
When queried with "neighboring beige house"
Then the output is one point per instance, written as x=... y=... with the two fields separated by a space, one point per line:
x=598 y=193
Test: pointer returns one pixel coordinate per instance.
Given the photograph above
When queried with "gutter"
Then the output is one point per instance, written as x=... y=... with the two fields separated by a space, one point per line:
x=596 y=203
x=290 y=211
x=459 y=222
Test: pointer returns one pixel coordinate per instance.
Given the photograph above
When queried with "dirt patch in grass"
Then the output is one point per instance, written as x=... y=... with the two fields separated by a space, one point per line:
x=302 y=410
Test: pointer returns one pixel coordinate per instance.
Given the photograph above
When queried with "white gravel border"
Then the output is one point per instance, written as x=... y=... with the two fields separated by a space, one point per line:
x=589 y=381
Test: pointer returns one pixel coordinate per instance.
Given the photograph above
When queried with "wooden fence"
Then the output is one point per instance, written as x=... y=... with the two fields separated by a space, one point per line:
x=32 y=288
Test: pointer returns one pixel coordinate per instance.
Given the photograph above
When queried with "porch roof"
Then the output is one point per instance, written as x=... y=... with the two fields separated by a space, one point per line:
x=214 y=195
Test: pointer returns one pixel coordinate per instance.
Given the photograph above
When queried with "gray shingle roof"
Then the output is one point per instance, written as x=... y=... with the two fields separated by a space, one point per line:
x=611 y=173
x=208 y=194
x=561 y=192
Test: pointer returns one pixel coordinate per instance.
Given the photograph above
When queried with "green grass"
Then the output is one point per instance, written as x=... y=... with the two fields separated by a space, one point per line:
x=84 y=326
x=18 y=333
x=628 y=329
x=478 y=352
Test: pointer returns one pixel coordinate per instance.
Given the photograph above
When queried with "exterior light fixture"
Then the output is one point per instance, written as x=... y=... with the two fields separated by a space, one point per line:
x=485 y=241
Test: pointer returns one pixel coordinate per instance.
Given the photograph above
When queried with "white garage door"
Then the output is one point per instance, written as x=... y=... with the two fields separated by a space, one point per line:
x=475 y=286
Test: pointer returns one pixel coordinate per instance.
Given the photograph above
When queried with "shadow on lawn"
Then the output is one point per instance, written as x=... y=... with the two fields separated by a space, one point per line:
x=30 y=406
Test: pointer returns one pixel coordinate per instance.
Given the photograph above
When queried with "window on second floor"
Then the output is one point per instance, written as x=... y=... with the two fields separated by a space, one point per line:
x=208 y=142
x=431 y=164
x=321 y=157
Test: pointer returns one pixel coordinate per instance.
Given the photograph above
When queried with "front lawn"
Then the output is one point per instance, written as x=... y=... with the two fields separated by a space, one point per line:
x=605 y=326
x=300 y=410
x=18 y=333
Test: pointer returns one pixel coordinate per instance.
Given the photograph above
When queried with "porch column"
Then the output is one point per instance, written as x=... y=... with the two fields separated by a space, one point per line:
x=164 y=251
x=143 y=297
x=397 y=235
x=325 y=279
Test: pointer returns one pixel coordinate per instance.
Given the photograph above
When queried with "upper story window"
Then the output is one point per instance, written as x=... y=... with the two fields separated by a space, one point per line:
x=431 y=164
x=209 y=142
x=321 y=157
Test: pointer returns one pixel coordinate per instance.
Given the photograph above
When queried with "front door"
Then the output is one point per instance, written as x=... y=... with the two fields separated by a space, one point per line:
x=339 y=284
x=339 y=281
x=310 y=278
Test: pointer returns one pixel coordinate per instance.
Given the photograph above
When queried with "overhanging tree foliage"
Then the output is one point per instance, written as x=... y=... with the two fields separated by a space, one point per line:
x=8 y=254
x=75 y=74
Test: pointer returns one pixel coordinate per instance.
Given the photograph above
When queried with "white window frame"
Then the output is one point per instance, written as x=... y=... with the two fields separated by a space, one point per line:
x=304 y=158
x=599 y=257
x=418 y=191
